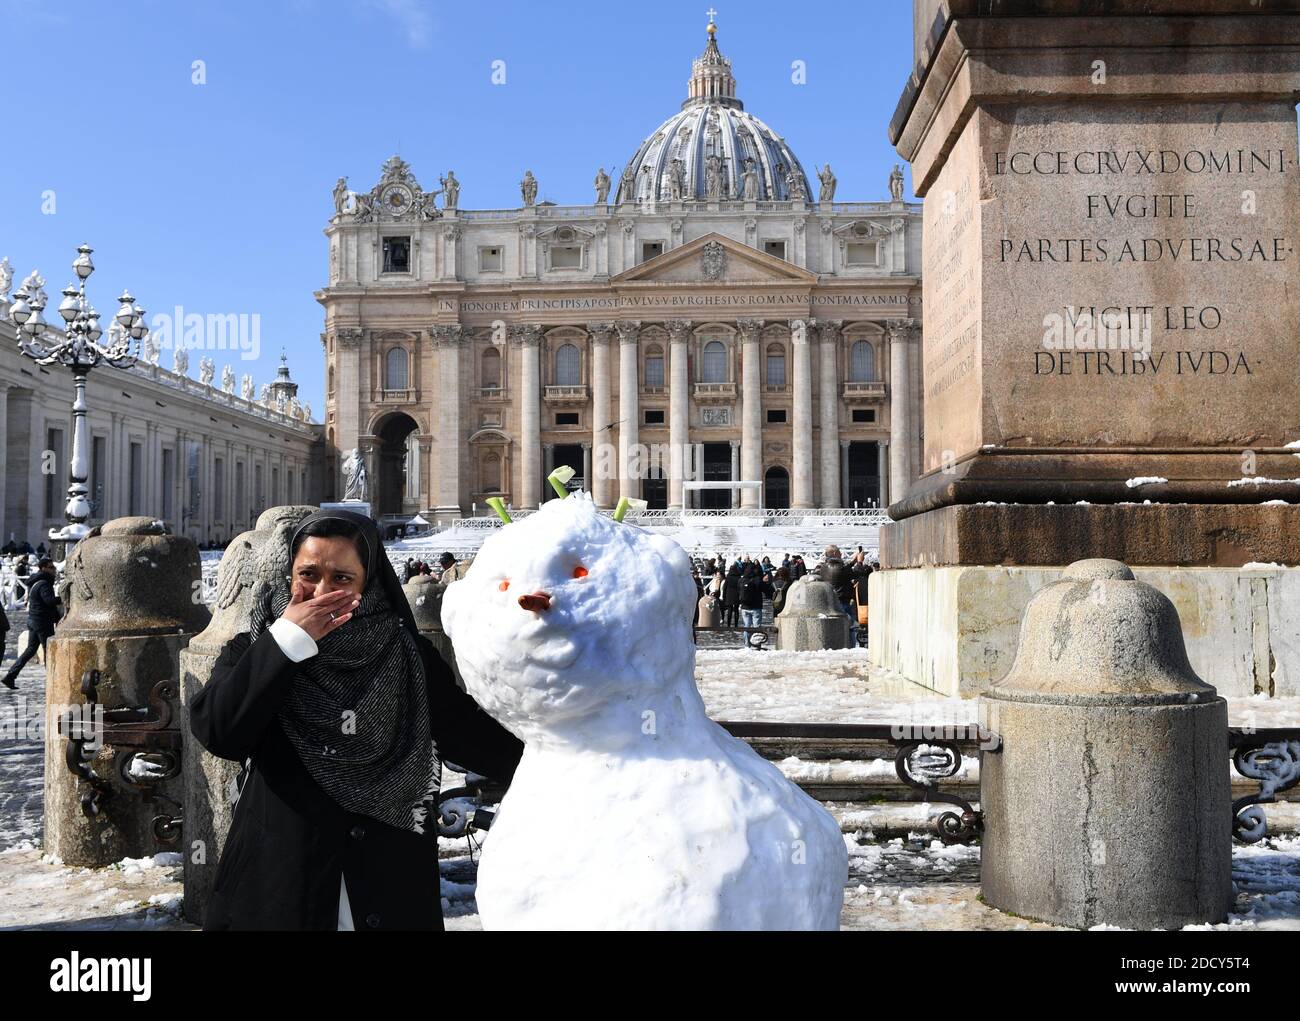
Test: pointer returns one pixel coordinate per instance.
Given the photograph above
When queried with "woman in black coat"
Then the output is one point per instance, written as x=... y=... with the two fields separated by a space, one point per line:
x=346 y=713
x=731 y=597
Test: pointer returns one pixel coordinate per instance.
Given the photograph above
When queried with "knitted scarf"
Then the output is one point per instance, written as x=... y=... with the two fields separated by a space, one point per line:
x=357 y=713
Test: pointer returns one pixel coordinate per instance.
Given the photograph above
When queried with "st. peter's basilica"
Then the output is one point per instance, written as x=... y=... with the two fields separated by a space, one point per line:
x=710 y=316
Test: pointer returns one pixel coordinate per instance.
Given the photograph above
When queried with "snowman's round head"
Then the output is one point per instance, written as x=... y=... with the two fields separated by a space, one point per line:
x=567 y=614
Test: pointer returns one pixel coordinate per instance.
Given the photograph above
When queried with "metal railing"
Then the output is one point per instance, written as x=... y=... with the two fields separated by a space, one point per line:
x=807 y=516
x=924 y=763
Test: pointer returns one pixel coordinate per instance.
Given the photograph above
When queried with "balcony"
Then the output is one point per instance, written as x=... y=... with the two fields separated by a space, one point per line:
x=873 y=391
x=492 y=393
x=776 y=388
x=565 y=395
x=716 y=393
x=653 y=390
x=396 y=396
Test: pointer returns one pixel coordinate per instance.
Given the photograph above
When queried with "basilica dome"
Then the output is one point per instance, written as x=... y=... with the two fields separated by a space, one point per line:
x=708 y=148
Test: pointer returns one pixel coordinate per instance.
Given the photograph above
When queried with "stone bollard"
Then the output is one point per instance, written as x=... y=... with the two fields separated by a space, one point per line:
x=1109 y=802
x=812 y=618
x=424 y=594
x=210 y=781
x=708 y=612
x=134 y=599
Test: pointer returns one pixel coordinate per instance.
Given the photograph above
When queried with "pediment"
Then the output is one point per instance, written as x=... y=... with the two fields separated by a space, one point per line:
x=715 y=259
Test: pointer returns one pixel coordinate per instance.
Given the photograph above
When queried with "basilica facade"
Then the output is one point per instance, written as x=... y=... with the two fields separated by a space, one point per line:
x=709 y=317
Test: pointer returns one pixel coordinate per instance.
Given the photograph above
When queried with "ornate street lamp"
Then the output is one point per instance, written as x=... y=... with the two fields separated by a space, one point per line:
x=80 y=350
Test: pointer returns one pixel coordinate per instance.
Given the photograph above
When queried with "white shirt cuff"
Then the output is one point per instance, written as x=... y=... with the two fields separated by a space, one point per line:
x=294 y=642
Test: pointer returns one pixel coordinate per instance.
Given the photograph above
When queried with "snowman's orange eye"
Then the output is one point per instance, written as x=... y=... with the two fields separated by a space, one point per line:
x=580 y=572
x=504 y=585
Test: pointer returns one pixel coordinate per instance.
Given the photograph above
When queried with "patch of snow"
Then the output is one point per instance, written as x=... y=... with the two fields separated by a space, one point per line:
x=1145 y=480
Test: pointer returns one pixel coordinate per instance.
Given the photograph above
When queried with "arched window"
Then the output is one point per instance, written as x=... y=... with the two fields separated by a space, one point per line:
x=862 y=362
x=331 y=379
x=775 y=365
x=491 y=368
x=492 y=474
x=568 y=366
x=395 y=376
x=654 y=366
x=715 y=362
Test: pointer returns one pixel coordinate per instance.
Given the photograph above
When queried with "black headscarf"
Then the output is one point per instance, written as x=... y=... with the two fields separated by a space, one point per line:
x=357 y=713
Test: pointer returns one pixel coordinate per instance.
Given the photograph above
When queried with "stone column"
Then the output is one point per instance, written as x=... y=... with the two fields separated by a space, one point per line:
x=801 y=491
x=527 y=337
x=4 y=452
x=901 y=335
x=1109 y=802
x=751 y=410
x=844 y=473
x=829 y=411
x=586 y=465
x=452 y=264
x=629 y=466
x=448 y=339
x=548 y=466
x=601 y=416
x=882 y=469
x=348 y=390
x=735 y=470
x=228 y=513
x=679 y=397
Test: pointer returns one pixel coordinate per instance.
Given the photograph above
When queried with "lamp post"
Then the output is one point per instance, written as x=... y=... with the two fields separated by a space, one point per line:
x=80 y=350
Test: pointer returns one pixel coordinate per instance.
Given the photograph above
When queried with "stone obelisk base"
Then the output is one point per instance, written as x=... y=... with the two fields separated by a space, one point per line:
x=954 y=583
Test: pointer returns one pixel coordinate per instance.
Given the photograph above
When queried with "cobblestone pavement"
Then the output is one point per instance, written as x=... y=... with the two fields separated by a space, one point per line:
x=22 y=746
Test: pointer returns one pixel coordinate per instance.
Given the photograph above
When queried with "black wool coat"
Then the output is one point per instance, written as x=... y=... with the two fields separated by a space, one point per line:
x=43 y=610
x=289 y=840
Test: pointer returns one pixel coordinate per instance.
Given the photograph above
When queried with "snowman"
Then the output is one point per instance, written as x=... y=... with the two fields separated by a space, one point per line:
x=630 y=809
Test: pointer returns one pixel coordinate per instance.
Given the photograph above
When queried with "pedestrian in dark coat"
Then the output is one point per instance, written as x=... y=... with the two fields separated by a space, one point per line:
x=731 y=597
x=346 y=713
x=779 y=584
x=836 y=574
x=43 y=612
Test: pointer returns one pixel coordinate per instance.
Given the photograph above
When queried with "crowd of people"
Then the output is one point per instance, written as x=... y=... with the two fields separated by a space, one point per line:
x=736 y=594
x=448 y=568
x=732 y=594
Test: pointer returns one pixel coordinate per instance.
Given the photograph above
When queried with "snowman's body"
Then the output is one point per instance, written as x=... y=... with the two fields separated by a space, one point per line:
x=630 y=809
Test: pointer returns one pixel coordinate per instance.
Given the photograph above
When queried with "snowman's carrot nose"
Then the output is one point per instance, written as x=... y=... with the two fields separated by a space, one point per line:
x=536 y=601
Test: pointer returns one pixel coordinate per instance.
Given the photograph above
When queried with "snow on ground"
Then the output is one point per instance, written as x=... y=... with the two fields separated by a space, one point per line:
x=900 y=876
x=838 y=686
x=849 y=771
x=38 y=891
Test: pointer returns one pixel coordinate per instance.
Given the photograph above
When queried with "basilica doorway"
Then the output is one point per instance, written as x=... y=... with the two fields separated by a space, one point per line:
x=717 y=468
x=395 y=463
x=864 y=475
x=565 y=454
x=776 y=489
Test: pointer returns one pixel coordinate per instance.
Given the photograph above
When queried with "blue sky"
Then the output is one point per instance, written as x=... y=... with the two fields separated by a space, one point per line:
x=214 y=196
